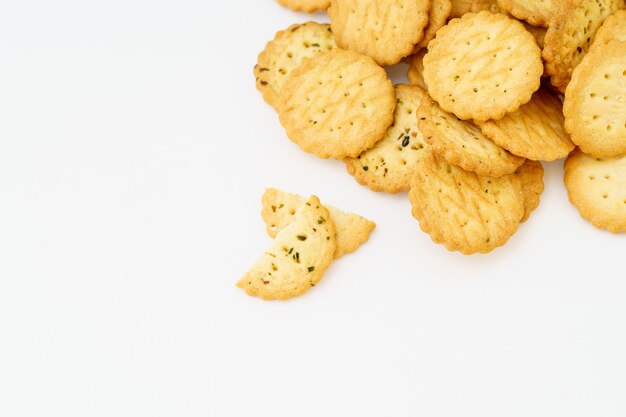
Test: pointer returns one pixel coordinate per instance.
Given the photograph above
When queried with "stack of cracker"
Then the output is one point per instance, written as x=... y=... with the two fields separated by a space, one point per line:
x=496 y=86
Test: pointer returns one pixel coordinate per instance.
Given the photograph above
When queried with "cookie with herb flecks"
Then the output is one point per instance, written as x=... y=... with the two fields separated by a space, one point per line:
x=297 y=259
x=280 y=208
x=286 y=52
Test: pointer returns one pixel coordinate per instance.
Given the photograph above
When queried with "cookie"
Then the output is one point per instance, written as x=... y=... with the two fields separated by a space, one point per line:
x=482 y=66
x=386 y=30
x=285 y=53
x=460 y=7
x=535 y=12
x=307 y=6
x=538 y=33
x=530 y=174
x=437 y=17
x=415 y=74
x=535 y=131
x=337 y=104
x=389 y=165
x=280 y=208
x=597 y=188
x=462 y=143
x=465 y=211
x=613 y=28
x=570 y=34
x=595 y=101
x=297 y=259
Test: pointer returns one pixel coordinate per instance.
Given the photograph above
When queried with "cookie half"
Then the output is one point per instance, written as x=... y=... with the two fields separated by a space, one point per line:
x=280 y=208
x=297 y=259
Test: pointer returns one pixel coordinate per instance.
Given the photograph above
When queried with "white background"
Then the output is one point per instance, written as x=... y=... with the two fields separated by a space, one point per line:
x=134 y=149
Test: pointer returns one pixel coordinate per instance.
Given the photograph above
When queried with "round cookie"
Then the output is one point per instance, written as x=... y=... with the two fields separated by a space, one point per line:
x=285 y=53
x=597 y=188
x=465 y=211
x=595 y=101
x=415 y=73
x=482 y=66
x=570 y=34
x=389 y=165
x=337 y=104
x=462 y=143
x=486 y=5
x=530 y=174
x=386 y=30
x=535 y=131
x=535 y=12
x=307 y=6
x=613 y=28
x=437 y=17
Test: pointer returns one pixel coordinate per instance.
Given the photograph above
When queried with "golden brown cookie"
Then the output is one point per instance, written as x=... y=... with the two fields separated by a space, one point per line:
x=570 y=34
x=415 y=73
x=297 y=259
x=465 y=211
x=307 y=6
x=462 y=143
x=535 y=131
x=460 y=7
x=386 y=30
x=285 y=53
x=613 y=28
x=595 y=101
x=337 y=104
x=482 y=66
x=437 y=17
x=535 y=12
x=389 y=165
x=279 y=209
x=530 y=174
x=597 y=188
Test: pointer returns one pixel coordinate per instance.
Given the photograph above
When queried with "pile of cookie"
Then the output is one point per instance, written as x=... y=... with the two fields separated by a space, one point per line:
x=495 y=88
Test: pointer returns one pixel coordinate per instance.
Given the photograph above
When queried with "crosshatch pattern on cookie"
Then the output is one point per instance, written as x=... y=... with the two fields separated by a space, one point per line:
x=462 y=210
x=482 y=66
x=462 y=143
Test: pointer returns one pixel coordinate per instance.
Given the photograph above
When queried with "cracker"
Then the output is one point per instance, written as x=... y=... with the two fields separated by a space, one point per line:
x=530 y=174
x=389 y=165
x=460 y=7
x=539 y=33
x=286 y=52
x=613 y=28
x=535 y=131
x=462 y=143
x=337 y=104
x=298 y=257
x=386 y=30
x=415 y=74
x=437 y=17
x=279 y=209
x=482 y=66
x=571 y=32
x=597 y=188
x=465 y=211
x=307 y=6
x=535 y=12
x=595 y=101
